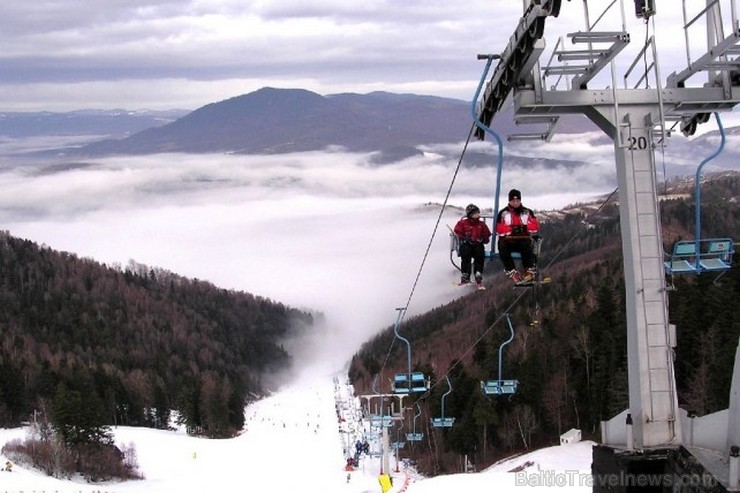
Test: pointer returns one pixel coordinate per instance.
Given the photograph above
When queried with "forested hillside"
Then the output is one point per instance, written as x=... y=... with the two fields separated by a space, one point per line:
x=133 y=343
x=570 y=356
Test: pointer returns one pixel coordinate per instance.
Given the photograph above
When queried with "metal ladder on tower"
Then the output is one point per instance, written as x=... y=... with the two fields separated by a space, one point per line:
x=599 y=49
x=660 y=337
x=660 y=357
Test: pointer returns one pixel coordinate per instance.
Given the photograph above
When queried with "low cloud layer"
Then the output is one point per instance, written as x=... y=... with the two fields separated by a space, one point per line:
x=326 y=230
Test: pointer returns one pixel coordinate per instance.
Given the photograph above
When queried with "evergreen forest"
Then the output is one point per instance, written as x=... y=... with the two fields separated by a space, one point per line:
x=136 y=346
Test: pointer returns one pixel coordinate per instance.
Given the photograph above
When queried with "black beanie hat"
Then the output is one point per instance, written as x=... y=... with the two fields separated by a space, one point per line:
x=514 y=194
x=471 y=209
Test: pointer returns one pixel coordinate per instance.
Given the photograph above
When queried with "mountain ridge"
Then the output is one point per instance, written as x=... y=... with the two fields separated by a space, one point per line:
x=272 y=120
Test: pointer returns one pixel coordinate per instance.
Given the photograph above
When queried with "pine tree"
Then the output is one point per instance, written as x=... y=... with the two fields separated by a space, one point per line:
x=78 y=417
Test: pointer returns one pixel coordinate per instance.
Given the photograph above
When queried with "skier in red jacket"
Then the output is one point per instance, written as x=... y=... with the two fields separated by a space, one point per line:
x=473 y=234
x=515 y=225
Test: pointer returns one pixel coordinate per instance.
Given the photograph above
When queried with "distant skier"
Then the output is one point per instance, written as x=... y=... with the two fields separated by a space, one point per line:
x=515 y=225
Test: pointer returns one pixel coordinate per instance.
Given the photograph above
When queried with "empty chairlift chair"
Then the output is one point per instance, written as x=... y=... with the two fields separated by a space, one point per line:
x=380 y=419
x=409 y=382
x=414 y=436
x=714 y=255
x=443 y=421
x=501 y=386
x=701 y=255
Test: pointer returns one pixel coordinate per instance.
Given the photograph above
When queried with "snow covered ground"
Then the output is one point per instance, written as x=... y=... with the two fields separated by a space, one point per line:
x=293 y=442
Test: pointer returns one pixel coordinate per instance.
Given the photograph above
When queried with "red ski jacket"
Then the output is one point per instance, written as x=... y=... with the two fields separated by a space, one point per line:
x=516 y=222
x=472 y=230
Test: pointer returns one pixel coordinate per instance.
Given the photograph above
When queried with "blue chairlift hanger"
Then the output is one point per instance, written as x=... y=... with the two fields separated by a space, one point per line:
x=500 y=161
x=490 y=251
x=407 y=383
x=701 y=254
x=443 y=421
x=398 y=444
x=455 y=244
x=501 y=386
x=414 y=436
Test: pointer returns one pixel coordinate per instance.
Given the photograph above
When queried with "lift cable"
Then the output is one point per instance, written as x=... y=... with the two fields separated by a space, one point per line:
x=431 y=240
x=512 y=304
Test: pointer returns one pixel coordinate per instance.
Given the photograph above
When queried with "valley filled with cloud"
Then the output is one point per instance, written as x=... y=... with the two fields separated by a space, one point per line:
x=330 y=231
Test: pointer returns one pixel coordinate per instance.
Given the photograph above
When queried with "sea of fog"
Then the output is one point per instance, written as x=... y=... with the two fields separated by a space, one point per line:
x=327 y=231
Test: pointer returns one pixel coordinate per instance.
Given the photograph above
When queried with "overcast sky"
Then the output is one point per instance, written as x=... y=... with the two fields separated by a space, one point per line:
x=161 y=54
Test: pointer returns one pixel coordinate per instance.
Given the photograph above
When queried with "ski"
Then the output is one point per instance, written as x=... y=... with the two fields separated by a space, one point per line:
x=479 y=287
x=527 y=284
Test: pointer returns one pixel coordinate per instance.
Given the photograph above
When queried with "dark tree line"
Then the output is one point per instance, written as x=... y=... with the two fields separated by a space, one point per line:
x=133 y=344
x=572 y=363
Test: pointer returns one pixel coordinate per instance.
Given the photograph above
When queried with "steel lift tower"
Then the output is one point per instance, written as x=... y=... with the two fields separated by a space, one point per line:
x=635 y=115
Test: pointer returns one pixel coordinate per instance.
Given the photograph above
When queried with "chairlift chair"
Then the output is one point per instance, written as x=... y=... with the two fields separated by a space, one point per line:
x=482 y=129
x=701 y=255
x=490 y=249
x=501 y=386
x=414 y=436
x=380 y=419
x=443 y=421
x=409 y=382
x=397 y=445
x=715 y=255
